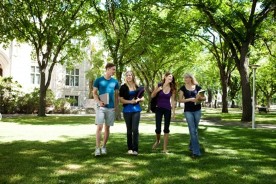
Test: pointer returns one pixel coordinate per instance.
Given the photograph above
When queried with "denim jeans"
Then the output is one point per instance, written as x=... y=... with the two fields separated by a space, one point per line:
x=132 y=120
x=193 y=119
x=158 y=119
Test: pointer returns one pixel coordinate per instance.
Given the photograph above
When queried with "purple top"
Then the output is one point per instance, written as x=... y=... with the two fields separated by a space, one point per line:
x=164 y=100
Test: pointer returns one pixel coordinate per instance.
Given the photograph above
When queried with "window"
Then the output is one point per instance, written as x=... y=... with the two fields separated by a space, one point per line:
x=74 y=100
x=35 y=75
x=72 y=77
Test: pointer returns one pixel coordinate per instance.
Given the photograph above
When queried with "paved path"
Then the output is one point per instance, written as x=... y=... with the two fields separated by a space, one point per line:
x=15 y=132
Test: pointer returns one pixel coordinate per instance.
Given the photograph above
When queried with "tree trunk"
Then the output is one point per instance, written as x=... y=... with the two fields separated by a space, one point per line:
x=42 y=96
x=224 y=99
x=118 y=114
x=246 y=91
x=233 y=105
x=268 y=100
x=224 y=82
x=210 y=97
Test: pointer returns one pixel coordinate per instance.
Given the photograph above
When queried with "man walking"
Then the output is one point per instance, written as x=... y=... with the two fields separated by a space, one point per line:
x=105 y=93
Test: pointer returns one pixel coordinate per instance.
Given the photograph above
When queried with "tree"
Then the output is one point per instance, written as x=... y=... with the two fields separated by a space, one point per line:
x=239 y=23
x=266 y=82
x=122 y=24
x=52 y=27
x=222 y=54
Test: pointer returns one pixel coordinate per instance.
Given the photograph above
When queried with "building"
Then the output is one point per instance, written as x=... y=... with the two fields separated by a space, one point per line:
x=16 y=62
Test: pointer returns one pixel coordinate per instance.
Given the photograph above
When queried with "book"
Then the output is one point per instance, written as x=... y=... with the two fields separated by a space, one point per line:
x=105 y=98
x=140 y=92
x=202 y=94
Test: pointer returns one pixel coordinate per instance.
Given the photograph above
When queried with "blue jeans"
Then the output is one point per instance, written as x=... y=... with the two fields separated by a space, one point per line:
x=158 y=120
x=193 y=119
x=132 y=120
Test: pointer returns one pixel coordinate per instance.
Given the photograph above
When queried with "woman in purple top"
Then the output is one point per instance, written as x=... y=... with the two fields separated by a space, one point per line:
x=188 y=94
x=165 y=104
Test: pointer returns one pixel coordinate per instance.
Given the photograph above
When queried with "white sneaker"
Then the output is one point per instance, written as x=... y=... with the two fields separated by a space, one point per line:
x=103 y=150
x=130 y=152
x=135 y=153
x=97 y=152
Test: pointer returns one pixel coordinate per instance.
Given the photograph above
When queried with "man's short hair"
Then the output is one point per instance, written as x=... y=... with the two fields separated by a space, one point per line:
x=109 y=65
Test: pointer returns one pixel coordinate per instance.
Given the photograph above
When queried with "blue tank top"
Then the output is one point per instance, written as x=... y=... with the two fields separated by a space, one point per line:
x=132 y=107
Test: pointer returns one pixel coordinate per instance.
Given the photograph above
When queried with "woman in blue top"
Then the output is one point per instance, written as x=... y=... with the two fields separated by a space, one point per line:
x=131 y=110
x=189 y=95
x=165 y=104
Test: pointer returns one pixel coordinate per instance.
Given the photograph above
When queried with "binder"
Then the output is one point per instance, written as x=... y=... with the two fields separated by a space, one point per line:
x=105 y=98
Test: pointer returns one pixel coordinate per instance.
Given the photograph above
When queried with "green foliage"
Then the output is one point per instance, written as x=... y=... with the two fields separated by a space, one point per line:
x=29 y=103
x=62 y=105
x=13 y=100
x=56 y=30
x=9 y=93
x=266 y=83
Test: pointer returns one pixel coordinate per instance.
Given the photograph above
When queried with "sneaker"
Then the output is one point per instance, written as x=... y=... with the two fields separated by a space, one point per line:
x=97 y=152
x=103 y=150
x=135 y=153
x=130 y=152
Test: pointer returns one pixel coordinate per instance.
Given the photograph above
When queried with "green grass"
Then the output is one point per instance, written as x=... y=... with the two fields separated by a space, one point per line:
x=231 y=155
x=51 y=120
x=234 y=116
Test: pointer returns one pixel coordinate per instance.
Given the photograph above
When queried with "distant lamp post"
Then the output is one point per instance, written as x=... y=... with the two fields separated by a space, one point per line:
x=254 y=68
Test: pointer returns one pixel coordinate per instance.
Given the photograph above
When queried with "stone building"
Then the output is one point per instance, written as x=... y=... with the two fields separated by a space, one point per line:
x=16 y=62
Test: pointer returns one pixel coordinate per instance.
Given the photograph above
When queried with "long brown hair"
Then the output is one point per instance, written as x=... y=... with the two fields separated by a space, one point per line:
x=172 y=84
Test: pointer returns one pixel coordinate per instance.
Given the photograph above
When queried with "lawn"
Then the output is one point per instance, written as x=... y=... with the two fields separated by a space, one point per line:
x=232 y=154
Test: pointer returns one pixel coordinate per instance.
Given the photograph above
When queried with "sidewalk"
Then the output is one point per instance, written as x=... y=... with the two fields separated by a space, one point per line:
x=15 y=132
x=10 y=132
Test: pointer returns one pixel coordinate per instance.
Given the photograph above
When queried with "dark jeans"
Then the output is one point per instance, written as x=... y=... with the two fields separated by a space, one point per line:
x=132 y=120
x=158 y=119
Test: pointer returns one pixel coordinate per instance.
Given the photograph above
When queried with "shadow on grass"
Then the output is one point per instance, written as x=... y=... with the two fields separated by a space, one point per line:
x=232 y=155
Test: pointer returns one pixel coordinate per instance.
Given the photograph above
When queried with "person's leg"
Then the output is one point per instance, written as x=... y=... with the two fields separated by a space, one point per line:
x=190 y=118
x=135 y=130
x=167 y=118
x=106 y=134
x=98 y=135
x=99 y=124
x=109 y=116
x=165 y=144
x=128 y=117
x=197 y=115
x=158 y=120
x=197 y=118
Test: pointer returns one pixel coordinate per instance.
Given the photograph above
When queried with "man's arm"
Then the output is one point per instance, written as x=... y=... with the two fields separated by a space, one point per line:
x=96 y=97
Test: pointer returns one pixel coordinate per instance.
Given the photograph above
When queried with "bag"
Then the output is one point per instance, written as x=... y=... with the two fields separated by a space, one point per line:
x=153 y=102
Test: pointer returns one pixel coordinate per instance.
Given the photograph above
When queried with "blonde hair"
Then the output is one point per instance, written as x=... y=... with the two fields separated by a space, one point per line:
x=194 y=81
x=133 y=79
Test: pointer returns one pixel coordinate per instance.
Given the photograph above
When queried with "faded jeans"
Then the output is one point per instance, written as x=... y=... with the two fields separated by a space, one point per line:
x=132 y=120
x=193 y=119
